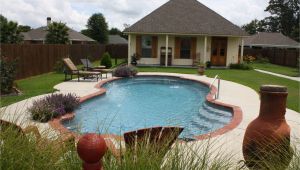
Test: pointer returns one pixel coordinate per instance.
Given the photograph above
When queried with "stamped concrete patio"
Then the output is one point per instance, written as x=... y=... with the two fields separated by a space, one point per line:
x=230 y=93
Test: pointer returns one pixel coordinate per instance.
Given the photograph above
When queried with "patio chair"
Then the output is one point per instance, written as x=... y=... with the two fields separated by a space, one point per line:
x=72 y=70
x=88 y=66
x=157 y=138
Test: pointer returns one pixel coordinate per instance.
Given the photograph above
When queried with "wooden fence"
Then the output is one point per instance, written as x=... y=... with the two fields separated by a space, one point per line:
x=285 y=57
x=35 y=59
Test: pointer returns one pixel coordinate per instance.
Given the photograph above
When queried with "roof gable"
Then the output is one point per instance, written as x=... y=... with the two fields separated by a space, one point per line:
x=185 y=17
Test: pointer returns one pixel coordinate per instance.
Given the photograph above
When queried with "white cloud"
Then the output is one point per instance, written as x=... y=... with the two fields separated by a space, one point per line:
x=117 y=12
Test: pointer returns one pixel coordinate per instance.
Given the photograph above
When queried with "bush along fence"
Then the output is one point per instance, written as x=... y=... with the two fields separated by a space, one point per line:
x=285 y=57
x=35 y=59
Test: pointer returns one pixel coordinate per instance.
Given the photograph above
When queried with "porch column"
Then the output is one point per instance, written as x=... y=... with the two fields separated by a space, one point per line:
x=205 y=47
x=242 y=50
x=129 y=46
x=167 y=48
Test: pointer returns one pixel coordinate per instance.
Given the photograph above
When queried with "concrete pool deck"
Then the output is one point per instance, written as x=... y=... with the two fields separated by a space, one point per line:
x=230 y=93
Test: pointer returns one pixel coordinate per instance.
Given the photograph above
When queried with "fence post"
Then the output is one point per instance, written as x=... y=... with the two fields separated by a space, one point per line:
x=91 y=148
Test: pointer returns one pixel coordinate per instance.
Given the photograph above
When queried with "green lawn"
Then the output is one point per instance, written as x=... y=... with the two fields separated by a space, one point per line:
x=250 y=78
x=42 y=84
x=289 y=71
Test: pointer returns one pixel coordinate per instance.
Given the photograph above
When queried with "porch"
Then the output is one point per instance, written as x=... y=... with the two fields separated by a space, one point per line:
x=184 y=50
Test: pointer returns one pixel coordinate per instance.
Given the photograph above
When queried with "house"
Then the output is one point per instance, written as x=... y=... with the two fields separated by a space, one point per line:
x=38 y=36
x=270 y=40
x=116 y=40
x=182 y=33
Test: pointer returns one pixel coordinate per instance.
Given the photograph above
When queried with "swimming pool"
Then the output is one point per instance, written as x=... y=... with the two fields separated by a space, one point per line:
x=148 y=101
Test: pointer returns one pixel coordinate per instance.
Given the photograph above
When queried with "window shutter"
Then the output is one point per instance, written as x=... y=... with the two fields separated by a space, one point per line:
x=193 y=48
x=177 y=47
x=154 y=46
x=138 y=45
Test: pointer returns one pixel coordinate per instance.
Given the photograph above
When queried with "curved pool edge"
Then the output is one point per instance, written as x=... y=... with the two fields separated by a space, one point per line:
x=237 y=114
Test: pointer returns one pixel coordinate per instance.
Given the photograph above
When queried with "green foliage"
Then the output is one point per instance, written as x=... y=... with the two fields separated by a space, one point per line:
x=106 y=60
x=116 y=31
x=24 y=28
x=20 y=151
x=59 y=66
x=57 y=33
x=254 y=26
x=284 y=18
x=241 y=66
x=8 y=74
x=10 y=32
x=97 y=28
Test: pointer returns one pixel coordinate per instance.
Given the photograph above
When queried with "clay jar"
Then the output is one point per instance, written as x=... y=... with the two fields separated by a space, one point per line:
x=267 y=138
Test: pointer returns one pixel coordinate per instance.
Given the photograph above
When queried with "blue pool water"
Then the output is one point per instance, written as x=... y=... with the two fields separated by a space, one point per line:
x=140 y=102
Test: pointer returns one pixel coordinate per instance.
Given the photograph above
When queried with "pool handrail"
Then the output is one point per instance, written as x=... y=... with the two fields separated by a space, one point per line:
x=218 y=88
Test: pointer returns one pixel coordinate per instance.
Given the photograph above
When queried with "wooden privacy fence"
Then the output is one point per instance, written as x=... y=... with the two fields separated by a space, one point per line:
x=35 y=59
x=285 y=57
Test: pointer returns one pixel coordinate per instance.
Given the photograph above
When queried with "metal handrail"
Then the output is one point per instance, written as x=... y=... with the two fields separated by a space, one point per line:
x=218 y=88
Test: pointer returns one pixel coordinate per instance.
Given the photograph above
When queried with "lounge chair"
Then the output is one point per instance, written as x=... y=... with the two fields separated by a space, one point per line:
x=88 y=66
x=158 y=138
x=72 y=70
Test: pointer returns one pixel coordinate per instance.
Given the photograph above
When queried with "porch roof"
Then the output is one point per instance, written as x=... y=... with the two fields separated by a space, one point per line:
x=186 y=17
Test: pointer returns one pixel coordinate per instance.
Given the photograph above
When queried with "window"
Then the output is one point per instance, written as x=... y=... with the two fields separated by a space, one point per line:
x=185 y=48
x=146 y=46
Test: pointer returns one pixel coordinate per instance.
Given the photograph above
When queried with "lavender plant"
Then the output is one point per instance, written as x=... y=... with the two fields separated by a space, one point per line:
x=53 y=106
x=125 y=71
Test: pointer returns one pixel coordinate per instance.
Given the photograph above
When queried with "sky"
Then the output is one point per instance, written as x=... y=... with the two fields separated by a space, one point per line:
x=75 y=13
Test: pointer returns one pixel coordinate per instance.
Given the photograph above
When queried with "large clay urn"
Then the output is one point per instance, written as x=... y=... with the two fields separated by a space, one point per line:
x=91 y=148
x=267 y=138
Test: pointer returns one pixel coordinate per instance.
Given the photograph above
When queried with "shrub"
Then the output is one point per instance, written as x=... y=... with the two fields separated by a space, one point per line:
x=208 y=64
x=241 y=66
x=53 y=106
x=8 y=74
x=248 y=59
x=261 y=59
x=106 y=60
x=59 y=66
x=125 y=71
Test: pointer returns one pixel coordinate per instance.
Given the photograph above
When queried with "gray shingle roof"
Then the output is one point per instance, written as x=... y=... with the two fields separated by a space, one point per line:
x=185 y=17
x=116 y=39
x=41 y=32
x=267 y=39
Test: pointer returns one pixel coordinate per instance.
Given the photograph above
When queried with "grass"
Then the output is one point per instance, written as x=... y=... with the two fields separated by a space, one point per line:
x=289 y=71
x=38 y=85
x=250 y=78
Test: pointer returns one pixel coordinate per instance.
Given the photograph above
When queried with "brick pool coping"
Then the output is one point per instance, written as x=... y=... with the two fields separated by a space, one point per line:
x=237 y=115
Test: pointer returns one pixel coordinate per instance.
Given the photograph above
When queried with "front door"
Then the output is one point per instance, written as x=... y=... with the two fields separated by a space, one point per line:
x=218 y=51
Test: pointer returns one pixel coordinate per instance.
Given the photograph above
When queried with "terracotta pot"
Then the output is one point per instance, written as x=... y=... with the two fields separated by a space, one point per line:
x=91 y=148
x=201 y=70
x=267 y=138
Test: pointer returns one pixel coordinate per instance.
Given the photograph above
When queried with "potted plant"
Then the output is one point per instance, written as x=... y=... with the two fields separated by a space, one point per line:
x=201 y=68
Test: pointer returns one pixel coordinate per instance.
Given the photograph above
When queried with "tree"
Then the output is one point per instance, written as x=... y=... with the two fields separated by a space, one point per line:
x=115 y=31
x=57 y=33
x=97 y=28
x=9 y=31
x=254 y=26
x=24 y=28
x=284 y=17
